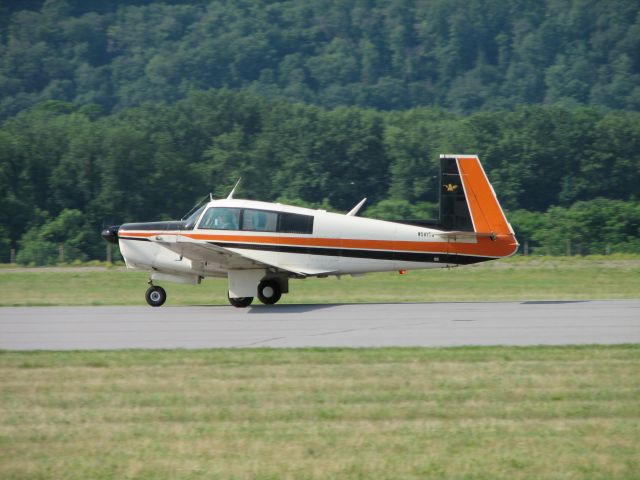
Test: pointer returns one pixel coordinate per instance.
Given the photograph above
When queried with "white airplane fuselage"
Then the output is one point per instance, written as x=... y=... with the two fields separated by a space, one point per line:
x=338 y=245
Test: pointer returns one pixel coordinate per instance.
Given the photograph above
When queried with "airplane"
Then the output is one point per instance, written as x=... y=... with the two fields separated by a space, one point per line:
x=260 y=246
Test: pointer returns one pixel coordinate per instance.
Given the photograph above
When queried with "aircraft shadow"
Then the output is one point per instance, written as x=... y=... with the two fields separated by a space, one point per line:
x=552 y=302
x=290 y=308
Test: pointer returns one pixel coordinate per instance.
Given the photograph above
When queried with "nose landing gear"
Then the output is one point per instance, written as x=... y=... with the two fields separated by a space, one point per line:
x=155 y=296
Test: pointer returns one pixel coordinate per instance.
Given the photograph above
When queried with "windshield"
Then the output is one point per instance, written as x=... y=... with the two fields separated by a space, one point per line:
x=190 y=221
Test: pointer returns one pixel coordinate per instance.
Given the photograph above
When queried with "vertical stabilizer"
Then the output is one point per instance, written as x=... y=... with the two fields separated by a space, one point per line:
x=467 y=199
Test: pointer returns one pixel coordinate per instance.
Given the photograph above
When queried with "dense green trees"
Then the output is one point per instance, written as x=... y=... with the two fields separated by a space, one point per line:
x=66 y=238
x=599 y=226
x=462 y=55
x=155 y=161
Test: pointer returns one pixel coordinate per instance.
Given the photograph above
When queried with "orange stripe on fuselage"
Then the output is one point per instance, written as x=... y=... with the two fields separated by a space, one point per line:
x=504 y=245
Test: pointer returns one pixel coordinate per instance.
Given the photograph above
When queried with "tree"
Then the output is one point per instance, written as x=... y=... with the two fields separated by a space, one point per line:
x=67 y=236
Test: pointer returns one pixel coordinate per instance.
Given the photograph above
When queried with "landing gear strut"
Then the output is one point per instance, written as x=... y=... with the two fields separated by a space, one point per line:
x=269 y=292
x=155 y=296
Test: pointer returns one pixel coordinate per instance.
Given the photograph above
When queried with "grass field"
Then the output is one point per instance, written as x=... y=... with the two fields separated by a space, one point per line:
x=553 y=278
x=472 y=413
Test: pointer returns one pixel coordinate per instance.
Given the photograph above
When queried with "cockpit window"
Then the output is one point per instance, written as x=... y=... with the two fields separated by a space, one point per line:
x=221 y=218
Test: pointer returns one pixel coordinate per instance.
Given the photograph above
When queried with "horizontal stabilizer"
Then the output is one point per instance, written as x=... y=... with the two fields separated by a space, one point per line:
x=464 y=235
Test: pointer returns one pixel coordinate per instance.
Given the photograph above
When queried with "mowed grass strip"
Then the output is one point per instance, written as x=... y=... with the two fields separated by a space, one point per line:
x=573 y=278
x=474 y=412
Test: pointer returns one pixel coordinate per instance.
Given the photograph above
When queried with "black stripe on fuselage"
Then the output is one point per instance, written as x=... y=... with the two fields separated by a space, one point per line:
x=356 y=253
x=139 y=239
x=162 y=226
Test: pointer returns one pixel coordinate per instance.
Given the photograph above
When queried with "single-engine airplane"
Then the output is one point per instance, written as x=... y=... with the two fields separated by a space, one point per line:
x=259 y=246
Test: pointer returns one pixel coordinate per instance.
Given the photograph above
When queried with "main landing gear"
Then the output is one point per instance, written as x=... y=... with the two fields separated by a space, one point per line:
x=155 y=296
x=269 y=292
x=241 y=302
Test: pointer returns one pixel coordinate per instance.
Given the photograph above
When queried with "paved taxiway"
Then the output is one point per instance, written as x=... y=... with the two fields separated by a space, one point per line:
x=357 y=325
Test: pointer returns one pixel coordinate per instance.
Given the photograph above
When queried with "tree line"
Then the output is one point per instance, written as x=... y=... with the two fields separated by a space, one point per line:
x=460 y=55
x=67 y=171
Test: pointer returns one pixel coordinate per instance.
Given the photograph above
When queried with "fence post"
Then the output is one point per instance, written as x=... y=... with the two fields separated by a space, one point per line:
x=568 y=247
x=61 y=253
x=526 y=247
x=607 y=250
x=109 y=258
x=12 y=256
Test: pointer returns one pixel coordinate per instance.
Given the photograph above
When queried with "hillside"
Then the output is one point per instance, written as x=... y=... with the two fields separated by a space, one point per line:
x=462 y=55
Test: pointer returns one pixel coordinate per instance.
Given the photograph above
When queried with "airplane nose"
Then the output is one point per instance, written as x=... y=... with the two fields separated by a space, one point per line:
x=110 y=234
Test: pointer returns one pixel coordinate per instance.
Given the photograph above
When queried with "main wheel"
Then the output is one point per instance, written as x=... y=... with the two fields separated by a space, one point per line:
x=241 y=302
x=269 y=292
x=155 y=296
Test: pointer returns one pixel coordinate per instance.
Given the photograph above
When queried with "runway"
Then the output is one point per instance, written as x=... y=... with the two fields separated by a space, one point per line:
x=355 y=325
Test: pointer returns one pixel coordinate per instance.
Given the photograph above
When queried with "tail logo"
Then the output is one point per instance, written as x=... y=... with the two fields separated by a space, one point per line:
x=450 y=187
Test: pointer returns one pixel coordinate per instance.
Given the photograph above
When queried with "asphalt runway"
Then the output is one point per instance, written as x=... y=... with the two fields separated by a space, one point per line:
x=355 y=325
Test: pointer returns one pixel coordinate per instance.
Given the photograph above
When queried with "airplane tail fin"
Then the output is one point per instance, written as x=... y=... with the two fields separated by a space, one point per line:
x=468 y=202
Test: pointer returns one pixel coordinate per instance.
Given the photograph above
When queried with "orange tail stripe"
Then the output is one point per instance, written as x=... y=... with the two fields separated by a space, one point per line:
x=485 y=210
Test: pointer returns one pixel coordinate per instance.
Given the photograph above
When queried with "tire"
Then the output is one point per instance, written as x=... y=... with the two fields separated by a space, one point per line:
x=241 y=302
x=269 y=292
x=155 y=296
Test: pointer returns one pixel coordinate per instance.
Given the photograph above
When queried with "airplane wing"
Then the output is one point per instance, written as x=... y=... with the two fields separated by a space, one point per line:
x=206 y=252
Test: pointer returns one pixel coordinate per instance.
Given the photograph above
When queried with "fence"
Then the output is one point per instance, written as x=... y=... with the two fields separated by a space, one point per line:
x=110 y=256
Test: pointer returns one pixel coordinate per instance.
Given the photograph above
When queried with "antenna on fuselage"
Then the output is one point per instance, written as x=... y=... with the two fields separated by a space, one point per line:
x=230 y=197
x=354 y=211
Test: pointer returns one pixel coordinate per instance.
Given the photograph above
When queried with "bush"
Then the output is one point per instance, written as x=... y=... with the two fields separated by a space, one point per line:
x=40 y=245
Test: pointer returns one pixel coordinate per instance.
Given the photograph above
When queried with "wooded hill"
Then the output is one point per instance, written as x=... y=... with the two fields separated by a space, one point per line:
x=463 y=55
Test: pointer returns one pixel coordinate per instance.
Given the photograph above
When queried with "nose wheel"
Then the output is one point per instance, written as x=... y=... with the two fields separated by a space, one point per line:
x=155 y=296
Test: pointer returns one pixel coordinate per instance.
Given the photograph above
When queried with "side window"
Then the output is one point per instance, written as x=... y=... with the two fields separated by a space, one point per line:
x=295 y=223
x=221 y=218
x=259 y=220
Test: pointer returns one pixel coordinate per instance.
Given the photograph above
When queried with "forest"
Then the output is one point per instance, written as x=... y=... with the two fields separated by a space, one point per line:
x=461 y=55
x=114 y=112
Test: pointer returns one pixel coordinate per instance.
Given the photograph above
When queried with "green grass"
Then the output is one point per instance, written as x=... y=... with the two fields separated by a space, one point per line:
x=472 y=413
x=552 y=278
